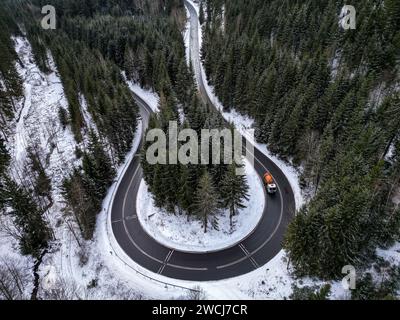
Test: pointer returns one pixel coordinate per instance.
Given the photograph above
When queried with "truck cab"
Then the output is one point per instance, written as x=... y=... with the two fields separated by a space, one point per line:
x=270 y=183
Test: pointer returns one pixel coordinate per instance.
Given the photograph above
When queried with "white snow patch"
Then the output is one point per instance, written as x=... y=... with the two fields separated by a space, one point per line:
x=377 y=96
x=390 y=153
x=87 y=117
x=195 y=5
x=396 y=198
x=186 y=37
x=2 y=84
x=335 y=64
x=175 y=231
x=271 y=282
x=38 y=124
x=391 y=255
x=151 y=98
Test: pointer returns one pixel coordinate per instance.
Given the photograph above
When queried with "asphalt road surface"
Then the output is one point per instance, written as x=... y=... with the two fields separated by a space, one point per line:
x=250 y=254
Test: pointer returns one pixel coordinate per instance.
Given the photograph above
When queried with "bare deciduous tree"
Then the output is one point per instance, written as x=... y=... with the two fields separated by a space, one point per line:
x=14 y=278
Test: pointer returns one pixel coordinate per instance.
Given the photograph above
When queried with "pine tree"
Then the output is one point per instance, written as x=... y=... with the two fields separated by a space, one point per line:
x=186 y=191
x=97 y=167
x=42 y=182
x=63 y=117
x=201 y=13
x=33 y=230
x=4 y=157
x=82 y=202
x=206 y=204
x=159 y=189
x=234 y=191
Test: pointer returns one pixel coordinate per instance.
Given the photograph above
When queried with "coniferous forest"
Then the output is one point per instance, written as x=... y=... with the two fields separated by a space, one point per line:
x=92 y=47
x=325 y=99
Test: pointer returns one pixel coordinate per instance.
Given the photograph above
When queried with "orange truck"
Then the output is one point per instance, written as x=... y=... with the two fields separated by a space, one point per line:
x=270 y=183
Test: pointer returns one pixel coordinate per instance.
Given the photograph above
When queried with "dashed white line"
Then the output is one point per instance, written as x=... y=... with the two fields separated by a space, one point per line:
x=248 y=254
x=167 y=258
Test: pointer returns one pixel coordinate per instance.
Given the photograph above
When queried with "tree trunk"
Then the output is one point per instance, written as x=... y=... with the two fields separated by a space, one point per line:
x=232 y=213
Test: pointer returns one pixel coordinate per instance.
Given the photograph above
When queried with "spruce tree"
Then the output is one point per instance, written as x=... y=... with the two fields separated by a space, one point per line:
x=234 y=191
x=206 y=204
x=98 y=167
x=82 y=202
x=186 y=191
x=4 y=157
x=201 y=13
x=33 y=230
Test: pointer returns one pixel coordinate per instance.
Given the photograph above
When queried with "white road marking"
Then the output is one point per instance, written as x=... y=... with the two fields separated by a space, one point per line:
x=187 y=268
x=167 y=258
x=133 y=217
x=248 y=254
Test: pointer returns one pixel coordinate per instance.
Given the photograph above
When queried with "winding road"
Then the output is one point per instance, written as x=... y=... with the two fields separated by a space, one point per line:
x=253 y=252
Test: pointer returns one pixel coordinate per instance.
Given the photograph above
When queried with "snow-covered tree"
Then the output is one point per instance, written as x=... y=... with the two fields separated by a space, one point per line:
x=206 y=204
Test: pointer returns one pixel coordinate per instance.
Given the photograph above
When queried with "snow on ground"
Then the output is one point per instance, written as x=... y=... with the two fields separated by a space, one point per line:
x=71 y=261
x=186 y=37
x=9 y=253
x=196 y=5
x=150 y=97
x=391 y=255
x=87 y=117
x=273 y=282
x=390 y=153
x=396 y=198
x=335 y=64
x=175 y=231
x=38 y=122
x=86 y=264
x=37 y=125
